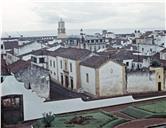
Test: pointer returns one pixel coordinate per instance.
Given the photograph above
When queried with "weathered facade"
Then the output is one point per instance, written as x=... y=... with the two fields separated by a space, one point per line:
x=33 y=77
x=102 y=77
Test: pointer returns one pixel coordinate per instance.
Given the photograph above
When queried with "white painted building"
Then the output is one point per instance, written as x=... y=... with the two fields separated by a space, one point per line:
x=102 y=77
x=149 y=49
x=110 y=35
x=163 y=54
x=149 y=80
x=139 y=81
x=26 y=48
x=161 y=40
x=64 y=66
x=40 y=58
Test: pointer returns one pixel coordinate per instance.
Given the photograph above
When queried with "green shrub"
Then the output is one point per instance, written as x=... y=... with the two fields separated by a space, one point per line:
x=47 y=119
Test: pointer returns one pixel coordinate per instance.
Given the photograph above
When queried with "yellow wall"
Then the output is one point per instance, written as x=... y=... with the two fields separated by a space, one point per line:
x=159 y=76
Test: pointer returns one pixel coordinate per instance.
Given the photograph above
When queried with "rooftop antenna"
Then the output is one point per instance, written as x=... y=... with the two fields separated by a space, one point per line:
x=8 y=35
x=19 y=34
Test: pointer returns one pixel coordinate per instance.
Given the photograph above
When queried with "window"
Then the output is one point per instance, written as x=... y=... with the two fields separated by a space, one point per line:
x=65 y=65
x=127 y=63
x=70 y=67
x=11 y=102
x=61 y=78
x=71 y=82
x=50 y=63
x=34 y=59
x=54 y=64
x=41 y=60
x=1 y=46
x=1 y=79
x=87 y=78
x=61 y=64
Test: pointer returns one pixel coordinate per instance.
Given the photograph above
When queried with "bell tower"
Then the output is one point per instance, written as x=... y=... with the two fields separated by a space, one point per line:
x=61 y=29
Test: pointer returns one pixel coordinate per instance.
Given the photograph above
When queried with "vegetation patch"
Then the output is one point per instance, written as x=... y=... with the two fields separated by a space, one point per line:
x=136 y=113
x=157 y=107
x=82 y=120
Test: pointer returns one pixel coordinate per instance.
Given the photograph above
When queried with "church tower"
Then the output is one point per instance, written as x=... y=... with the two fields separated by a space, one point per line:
x=61 y=29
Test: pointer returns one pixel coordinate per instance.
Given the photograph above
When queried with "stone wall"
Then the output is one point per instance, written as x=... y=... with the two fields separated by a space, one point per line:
x=141 y=81
x=35 y=78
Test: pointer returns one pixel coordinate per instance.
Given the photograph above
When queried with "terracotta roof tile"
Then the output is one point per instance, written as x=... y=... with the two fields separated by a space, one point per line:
x=94 y=61
x=10 y=44
x=71 y=53
x=19 y=65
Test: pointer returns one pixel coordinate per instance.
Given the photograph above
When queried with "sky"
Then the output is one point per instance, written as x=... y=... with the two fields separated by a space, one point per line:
x=34 y=15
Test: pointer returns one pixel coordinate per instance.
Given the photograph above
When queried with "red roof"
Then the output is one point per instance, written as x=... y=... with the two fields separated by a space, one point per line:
x=19 y=65
x=10 y=44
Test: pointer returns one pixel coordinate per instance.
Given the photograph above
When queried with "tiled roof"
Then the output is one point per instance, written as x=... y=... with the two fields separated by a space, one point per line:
x=4 y=68
x=164 y=50
x=35 y=52
x=10 y=44
x=122 y=55
x=71 y=53
x=157 y=57
x=41 y=52
x=118 y=54
x=94 y=61
x=20 y=46
x=19 y=65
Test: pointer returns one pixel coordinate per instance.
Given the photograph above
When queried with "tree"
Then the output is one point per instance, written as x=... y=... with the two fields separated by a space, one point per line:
x=155 y=63
x=47 y=119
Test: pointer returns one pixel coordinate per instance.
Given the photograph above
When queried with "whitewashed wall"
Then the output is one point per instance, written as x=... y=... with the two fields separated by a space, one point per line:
x=111 y=79
x=91 y=85
x=145 y=49
x=27 y=48
x=141 y=82
x=35 y=106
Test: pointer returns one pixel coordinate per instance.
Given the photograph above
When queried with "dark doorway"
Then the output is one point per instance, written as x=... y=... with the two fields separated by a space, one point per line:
x=71 y=81
x=159 y=86
x=67 y=81
x=12 y=109
x=62 y=79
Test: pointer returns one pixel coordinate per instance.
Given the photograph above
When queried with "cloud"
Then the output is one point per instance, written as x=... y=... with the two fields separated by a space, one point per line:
x=30 y=15
x=96 y=13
